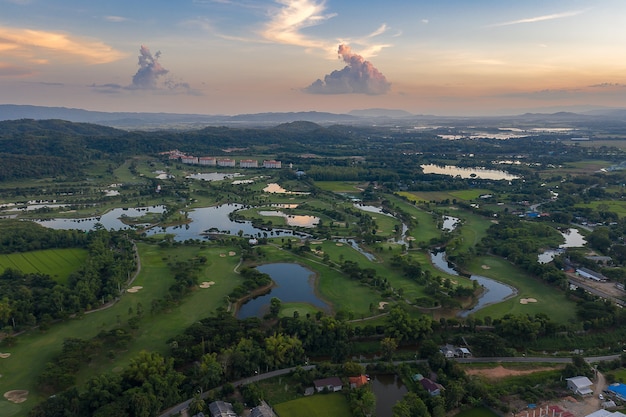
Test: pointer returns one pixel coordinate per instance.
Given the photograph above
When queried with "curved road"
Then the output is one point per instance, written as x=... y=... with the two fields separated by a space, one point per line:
x=510 y=359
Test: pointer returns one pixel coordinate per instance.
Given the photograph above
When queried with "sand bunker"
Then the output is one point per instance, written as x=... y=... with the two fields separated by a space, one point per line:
x=382 y=304
x=485 y=267
x=222 y=255
x=410 y=238
x=206 y=284
x=527 y=300
x=4 y=355
x=231 y=253
x=135 y=288
x=339 y=244
x=16 y=396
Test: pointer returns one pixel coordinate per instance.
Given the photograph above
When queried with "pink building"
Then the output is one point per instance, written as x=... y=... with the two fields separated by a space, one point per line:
x=272 y=164
x=249 y=163
x=225 y=162
x=207 y=160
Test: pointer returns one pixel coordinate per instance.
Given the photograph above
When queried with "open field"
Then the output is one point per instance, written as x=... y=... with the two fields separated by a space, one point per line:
x=35 y=348
x=618 y=207
x=341 y=186
x=549 y=300
x=58 y=263
x=427 y=196
x=319 y=405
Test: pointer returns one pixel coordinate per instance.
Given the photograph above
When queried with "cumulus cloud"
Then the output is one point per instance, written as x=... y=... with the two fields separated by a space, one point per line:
x=357 y=77
x=151 y=75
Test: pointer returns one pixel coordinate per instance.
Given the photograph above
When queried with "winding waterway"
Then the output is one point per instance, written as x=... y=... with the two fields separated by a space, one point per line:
x=495 y=291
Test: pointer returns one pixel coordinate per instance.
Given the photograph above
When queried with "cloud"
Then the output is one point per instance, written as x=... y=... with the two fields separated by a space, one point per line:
x=608 y=85
x=358 y=77
x=31 y=45
x=115 y=19
x=540 y=18
x=150 y=70
x=151 y=76
x=8 y=70
x=287 y=22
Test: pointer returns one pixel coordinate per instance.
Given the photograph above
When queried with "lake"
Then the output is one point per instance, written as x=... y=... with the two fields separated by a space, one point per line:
x=293 y=283
x=573 y=239
x=482 y=173
x=494 y=292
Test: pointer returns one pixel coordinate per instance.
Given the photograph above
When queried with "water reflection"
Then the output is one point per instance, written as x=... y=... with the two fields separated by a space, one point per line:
x=573 y=239
x=388 y=389
x=293 y=283
x=449 y=223
x=293 y=219
x=482 y=173
x=494 y=292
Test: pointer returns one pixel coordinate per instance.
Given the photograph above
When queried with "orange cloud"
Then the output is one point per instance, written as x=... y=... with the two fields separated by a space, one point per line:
x=31 y=44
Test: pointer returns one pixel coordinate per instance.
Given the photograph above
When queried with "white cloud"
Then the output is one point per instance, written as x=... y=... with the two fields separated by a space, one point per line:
x=540 y=18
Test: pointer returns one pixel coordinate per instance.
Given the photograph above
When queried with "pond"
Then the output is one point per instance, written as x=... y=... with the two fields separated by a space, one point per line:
x=573 y=239
x=202 y=221
x=388 y=389
x=449 y=223
x=357 y=248
x=110 y=220
x=372 y=209
x=482 y=173
x=213 y=176
x=293 y=283
x=293 y=219
x=495 y=291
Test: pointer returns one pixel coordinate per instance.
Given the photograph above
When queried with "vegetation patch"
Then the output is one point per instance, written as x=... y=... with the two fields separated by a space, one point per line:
x=315 y=406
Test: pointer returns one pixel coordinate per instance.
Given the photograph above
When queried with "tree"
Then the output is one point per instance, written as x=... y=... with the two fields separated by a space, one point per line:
x=410 y=406
x=209 y=371
x=275 y=305
x=388 y=346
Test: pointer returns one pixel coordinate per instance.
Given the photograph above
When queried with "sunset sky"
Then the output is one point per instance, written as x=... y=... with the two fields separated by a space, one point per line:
x=446 y=57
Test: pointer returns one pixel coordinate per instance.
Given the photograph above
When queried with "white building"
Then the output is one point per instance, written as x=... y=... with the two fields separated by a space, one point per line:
x=207 y=160
x=189 y=159
x=272 y=164
x=249 y=163
x=580 y=385
x=226 y=163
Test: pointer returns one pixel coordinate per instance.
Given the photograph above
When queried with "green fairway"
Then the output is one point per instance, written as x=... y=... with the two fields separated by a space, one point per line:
x=57 y=263
x=318 y=405
x=549 y=300
x=34 y=348
x=340 y=186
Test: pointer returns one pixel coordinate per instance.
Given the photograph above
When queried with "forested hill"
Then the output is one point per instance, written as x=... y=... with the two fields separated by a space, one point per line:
x=37 y=148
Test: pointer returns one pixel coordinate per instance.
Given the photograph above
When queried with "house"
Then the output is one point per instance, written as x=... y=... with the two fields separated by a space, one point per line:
x=463 y=352
x=262 y=410
x=332 y=384
x=447 y=351
x=433 y=388
x=605 y=413
x=221 y=409
x=358 y=381
x=580 y=385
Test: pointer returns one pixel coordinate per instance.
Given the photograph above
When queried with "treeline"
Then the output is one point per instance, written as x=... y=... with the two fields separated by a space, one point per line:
x=19 y=236
x=36 y=299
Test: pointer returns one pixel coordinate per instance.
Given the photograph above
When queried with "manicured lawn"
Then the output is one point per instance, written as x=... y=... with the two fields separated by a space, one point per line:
x=58 y=263
x=466 y=195
x=339 y=186
x=318 y=405
x=35 y=348
x=618 y=207
x=550 y=300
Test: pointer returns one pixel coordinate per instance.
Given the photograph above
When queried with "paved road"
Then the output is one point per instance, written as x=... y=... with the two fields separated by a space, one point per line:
x=510 y=359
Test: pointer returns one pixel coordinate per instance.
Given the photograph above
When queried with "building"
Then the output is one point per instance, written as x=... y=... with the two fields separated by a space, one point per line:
x=226 y=162
x=187 y=159
x=272 y=164
x=619 y=390
x=605 y=413
x=580 y=385
x=358 y=381
x=221 y=409
x=463 y=352
x=262 y=410
x=447 y=351
x=589 y=274
x=249 y=163
x=207 y=161
x=432 y=387
x=332 y=384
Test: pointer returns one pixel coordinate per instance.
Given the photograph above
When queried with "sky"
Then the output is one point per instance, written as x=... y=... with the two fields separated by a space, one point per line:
x=444 y=57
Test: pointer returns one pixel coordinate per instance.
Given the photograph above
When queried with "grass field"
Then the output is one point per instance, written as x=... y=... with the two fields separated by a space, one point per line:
x=35 y=348
x=618 y=207
x=340 y=186
x=319 y=405
x=427 y=196
x=58 y=263
x=550 y=300
x=476 y=412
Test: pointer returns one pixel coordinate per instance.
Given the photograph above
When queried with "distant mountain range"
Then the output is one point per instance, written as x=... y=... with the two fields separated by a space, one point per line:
x=138 y=120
